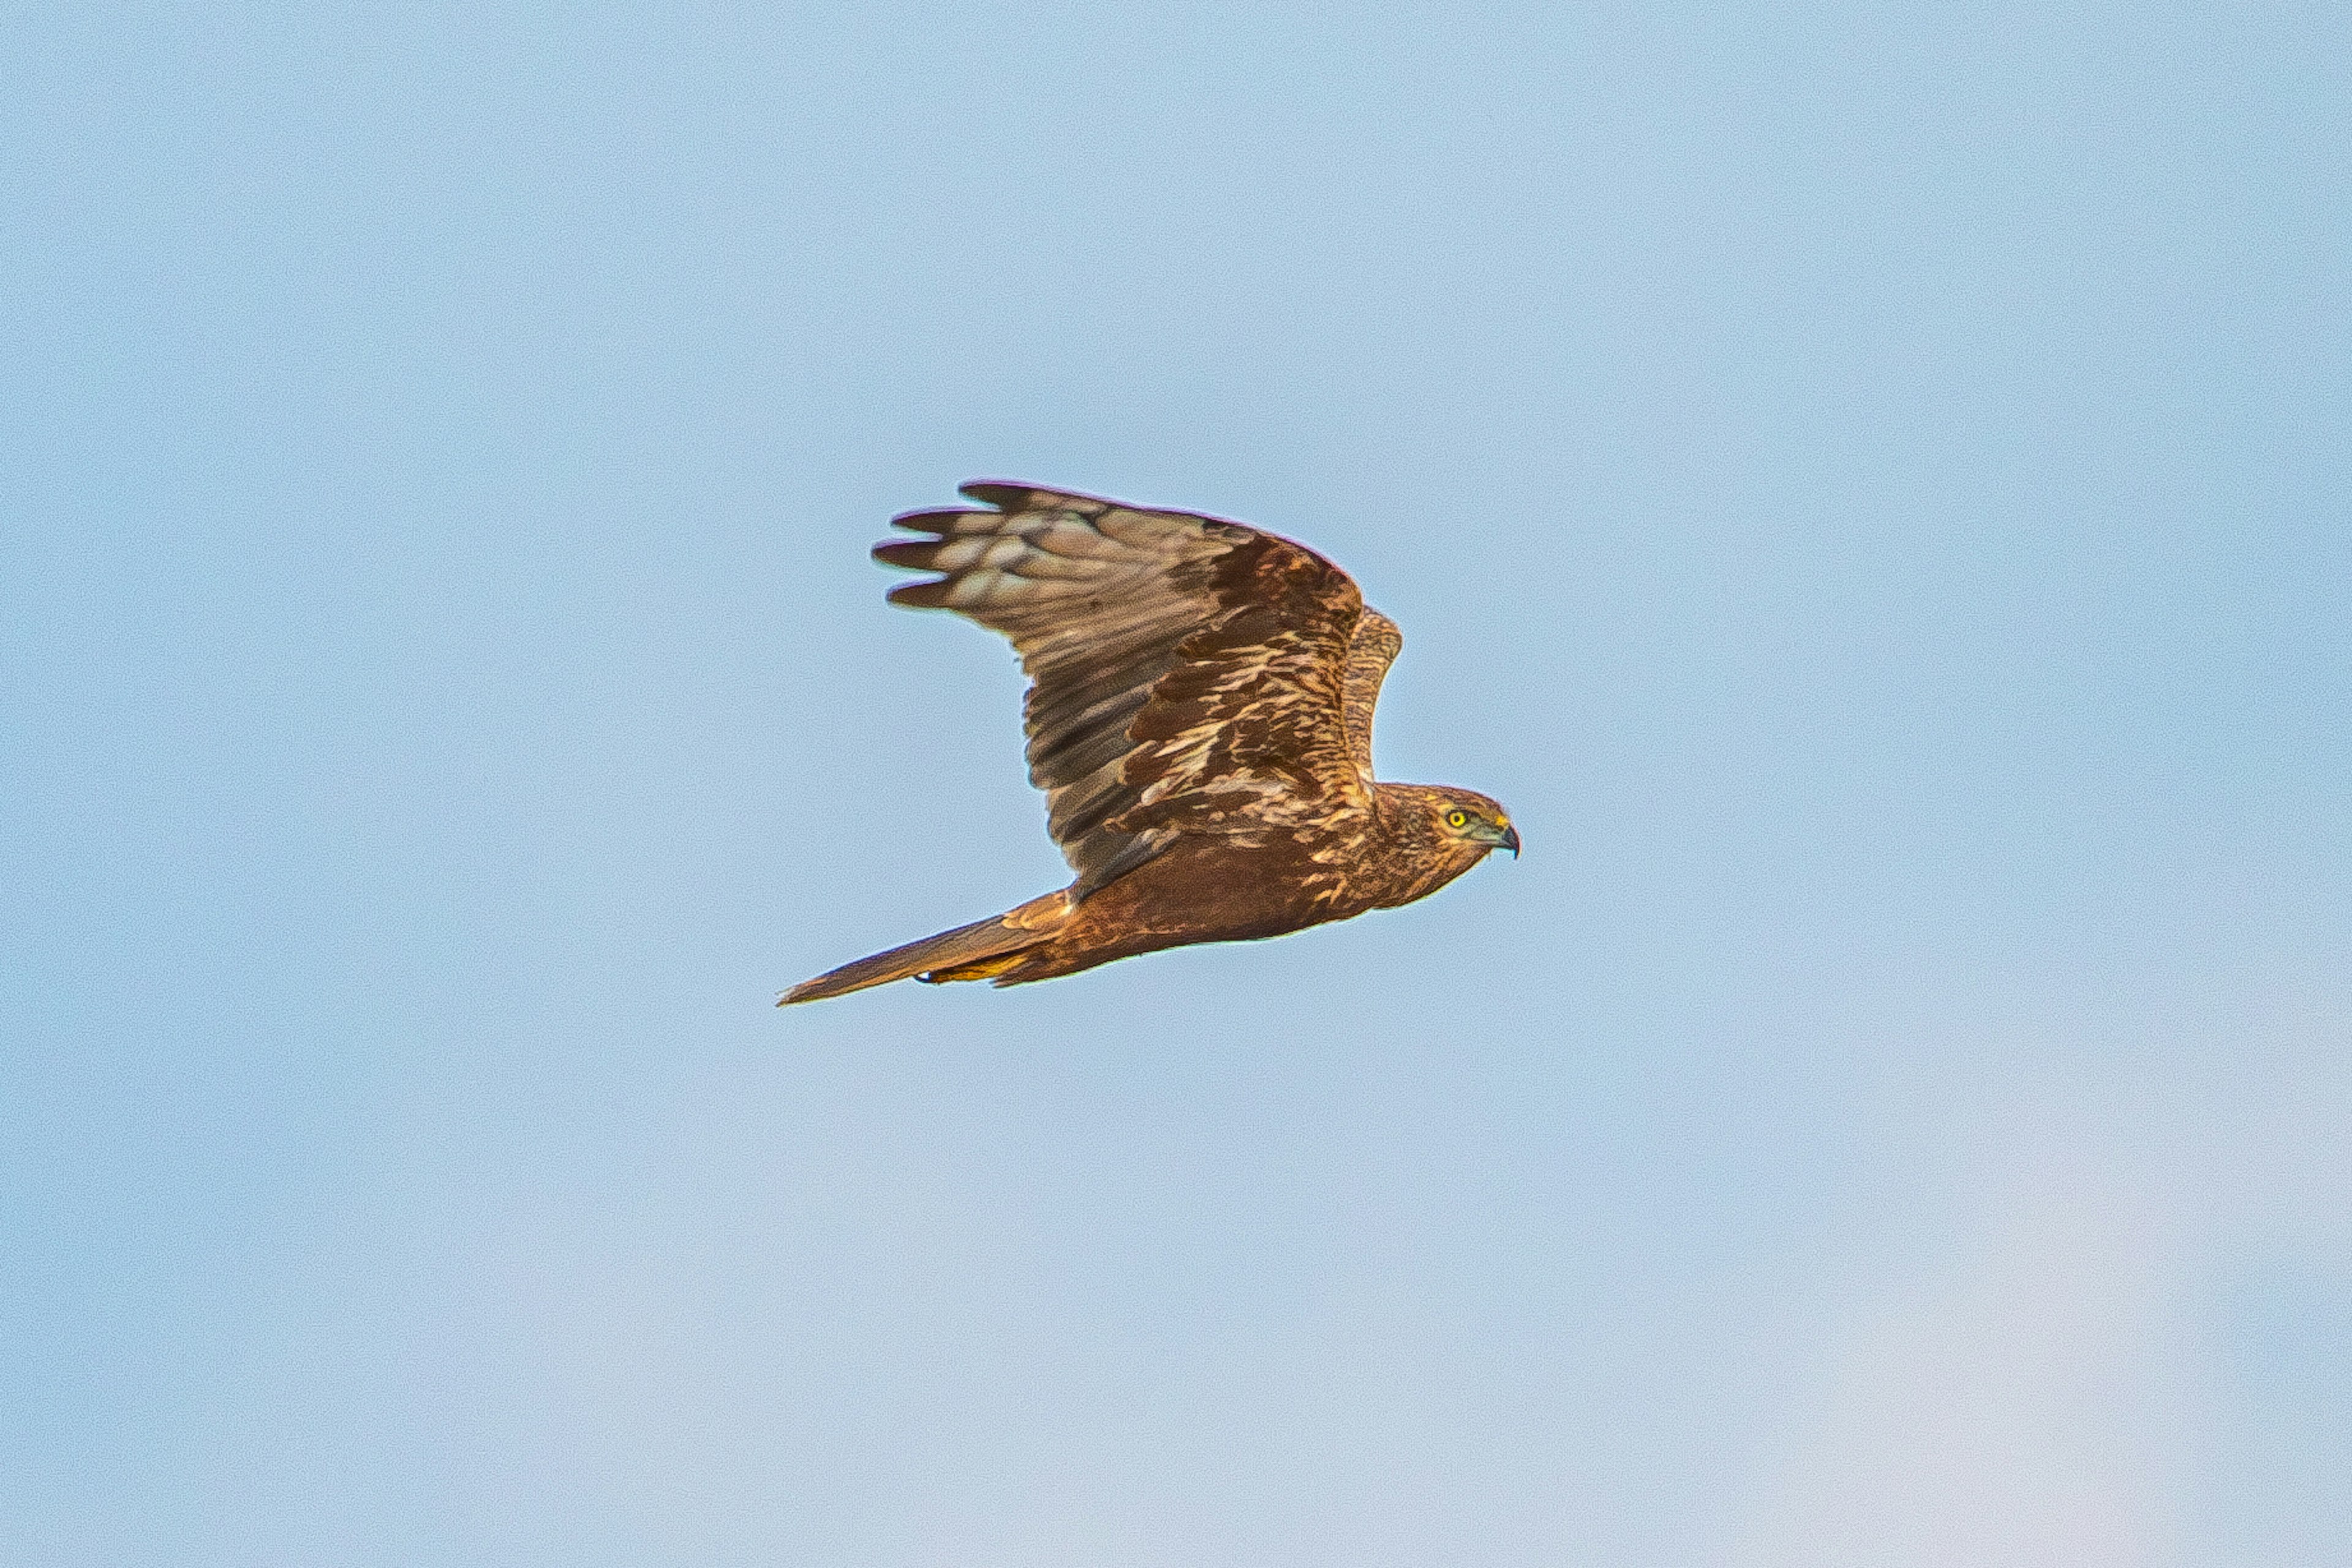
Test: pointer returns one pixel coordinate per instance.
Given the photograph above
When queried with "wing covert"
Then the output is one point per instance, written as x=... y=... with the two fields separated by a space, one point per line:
x=1371 y=650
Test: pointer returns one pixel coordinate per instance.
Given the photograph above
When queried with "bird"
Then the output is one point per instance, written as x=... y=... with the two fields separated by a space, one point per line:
x=1200 y=718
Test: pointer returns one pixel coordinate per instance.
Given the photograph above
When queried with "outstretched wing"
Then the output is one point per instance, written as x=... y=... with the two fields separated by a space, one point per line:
x=1186 y=675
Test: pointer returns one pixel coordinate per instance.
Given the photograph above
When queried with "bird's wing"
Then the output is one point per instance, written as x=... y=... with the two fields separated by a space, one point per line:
x=1186 y=675
x=1371 y=651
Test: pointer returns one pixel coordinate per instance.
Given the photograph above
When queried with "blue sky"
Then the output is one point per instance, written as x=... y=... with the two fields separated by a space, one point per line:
x=1865 y=486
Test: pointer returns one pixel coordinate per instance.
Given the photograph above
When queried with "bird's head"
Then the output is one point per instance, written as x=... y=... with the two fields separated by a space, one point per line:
x=1466 y=818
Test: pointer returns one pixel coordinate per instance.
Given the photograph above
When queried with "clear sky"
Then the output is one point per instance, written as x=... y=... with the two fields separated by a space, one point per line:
x=1869 y=487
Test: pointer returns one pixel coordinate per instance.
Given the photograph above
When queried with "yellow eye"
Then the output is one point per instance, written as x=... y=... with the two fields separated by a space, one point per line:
x=1457 y=818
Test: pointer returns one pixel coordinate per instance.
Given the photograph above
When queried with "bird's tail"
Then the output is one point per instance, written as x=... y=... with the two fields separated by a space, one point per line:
x=968 y=952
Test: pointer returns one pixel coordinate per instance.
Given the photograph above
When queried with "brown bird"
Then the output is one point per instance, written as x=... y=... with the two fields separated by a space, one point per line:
x=1200 y=717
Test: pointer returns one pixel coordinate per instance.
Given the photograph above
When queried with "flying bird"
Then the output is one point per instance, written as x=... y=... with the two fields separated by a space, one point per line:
x=1200 y=717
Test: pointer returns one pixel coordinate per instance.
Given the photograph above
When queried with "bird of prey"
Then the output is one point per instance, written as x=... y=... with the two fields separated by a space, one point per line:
x=1200 y=717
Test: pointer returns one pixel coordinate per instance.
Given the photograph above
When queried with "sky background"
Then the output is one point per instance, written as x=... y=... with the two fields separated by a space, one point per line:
x=1866 y=486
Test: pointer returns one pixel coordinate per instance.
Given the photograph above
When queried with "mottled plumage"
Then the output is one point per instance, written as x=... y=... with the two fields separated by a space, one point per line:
x=1200 y=717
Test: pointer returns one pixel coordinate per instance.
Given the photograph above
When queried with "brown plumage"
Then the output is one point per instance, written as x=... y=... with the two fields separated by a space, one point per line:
x=1200 y=717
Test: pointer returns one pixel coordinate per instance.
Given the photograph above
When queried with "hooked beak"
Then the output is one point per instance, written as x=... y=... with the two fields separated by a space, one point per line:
x=1510 y=841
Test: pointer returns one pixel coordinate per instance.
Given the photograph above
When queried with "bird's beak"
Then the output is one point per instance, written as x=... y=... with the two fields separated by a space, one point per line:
x=1510 y=841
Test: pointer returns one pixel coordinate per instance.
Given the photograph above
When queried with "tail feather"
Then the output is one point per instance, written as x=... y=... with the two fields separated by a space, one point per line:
x=997 y=937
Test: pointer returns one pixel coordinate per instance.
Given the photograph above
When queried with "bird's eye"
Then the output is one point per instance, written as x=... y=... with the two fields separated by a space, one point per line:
x=1457 y=818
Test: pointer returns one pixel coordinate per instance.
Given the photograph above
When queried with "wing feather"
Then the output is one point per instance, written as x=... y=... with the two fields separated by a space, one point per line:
x=1371 y=651
x=1187 y=673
